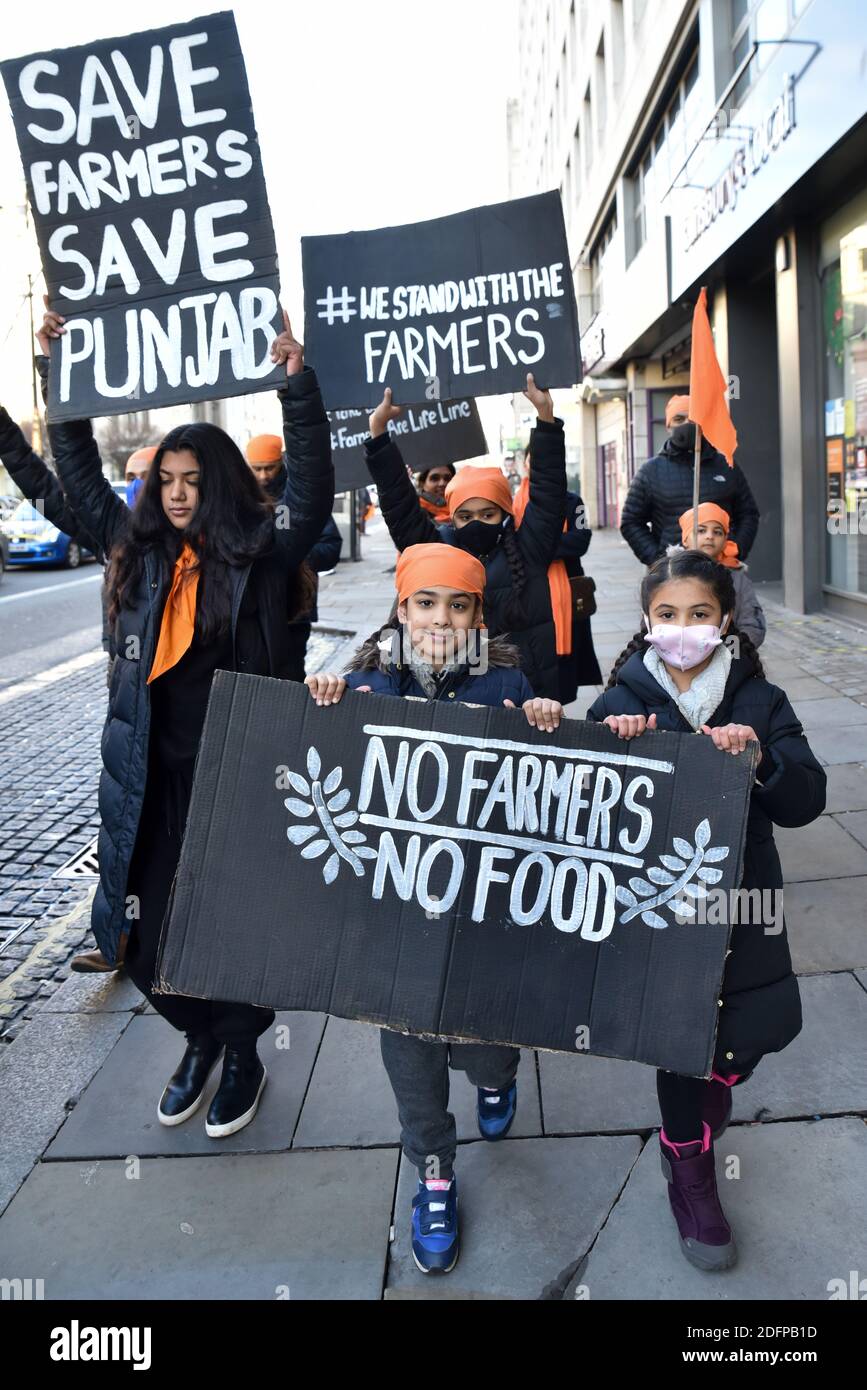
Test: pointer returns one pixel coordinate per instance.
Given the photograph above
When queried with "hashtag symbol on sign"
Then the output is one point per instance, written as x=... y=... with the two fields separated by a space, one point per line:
x=337 y=306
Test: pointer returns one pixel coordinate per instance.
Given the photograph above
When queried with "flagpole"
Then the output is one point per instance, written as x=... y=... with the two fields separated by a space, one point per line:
x=696 y=470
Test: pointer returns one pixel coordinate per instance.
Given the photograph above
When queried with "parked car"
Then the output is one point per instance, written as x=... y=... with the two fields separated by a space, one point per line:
x=32 y=540
x=4 y=553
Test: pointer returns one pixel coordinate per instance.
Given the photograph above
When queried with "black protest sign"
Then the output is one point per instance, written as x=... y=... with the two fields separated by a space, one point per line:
x=145 y=180
x=461 y=305
x=452 y=871
x=436 y=432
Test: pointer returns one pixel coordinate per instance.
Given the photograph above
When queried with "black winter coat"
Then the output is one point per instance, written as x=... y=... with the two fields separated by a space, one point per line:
x=324 y=554
x=661 y=491
x=260 y=642
x=761 y=1005
x=538 y=537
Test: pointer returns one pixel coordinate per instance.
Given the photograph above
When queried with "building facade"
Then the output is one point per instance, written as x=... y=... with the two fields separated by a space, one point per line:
x=719 y=143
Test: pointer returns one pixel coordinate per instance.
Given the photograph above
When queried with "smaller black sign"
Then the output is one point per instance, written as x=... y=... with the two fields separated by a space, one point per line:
x=436 y=432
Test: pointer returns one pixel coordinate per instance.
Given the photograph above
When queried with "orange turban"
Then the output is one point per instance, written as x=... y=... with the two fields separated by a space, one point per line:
x=429 y=566
x=709 y=511
x=678 y=405
x=468 y=482
x=265 y=448
x=142 y=456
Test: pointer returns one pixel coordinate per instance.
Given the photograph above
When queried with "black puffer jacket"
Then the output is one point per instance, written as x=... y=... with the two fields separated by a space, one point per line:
x=260 y=635
x=537 y=537
x=661 y=491
x=580 y=667
x=326 y=551
x=39 y=484
x=761 y=1005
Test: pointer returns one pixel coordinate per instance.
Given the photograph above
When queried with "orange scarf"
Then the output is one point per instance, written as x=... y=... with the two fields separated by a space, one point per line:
x=179 y=615
x=558 y=579
x=439 y=513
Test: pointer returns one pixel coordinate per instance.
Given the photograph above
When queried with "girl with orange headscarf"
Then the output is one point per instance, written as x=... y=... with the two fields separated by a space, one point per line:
x=436 y=648
x=517 y=594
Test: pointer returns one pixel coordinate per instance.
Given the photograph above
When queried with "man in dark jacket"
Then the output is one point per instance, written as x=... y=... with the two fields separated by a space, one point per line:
x=662 y=489
x=265 y=457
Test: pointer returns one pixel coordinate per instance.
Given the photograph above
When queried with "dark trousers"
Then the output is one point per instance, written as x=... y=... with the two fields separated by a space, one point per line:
x=299 y=636
x=418 y=1070
x=155 y=859
x=681 y=1101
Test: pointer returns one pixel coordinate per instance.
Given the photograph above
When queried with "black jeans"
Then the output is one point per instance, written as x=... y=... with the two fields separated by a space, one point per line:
x=154 y=861
x=418 y=1070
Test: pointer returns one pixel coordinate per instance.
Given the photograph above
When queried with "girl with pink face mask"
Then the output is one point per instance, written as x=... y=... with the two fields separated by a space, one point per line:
x=689 y=670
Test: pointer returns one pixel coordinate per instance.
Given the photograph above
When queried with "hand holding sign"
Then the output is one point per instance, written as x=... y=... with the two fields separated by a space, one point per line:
x=629 y=725
x=52 y=327
x=384 y=412
x=540 y=399
x=542 y=714
x=731 y=738
x=286 y=348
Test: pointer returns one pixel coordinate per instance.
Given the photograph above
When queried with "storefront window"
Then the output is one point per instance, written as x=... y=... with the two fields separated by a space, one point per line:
x=844 y=308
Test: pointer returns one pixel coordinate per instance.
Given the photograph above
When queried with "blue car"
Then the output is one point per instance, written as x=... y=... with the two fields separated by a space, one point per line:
x=34 y=541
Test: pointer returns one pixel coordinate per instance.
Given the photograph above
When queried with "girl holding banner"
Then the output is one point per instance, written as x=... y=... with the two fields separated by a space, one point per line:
x=440 y=593
x=680 y=675
x=517 y=594
x=198 y=578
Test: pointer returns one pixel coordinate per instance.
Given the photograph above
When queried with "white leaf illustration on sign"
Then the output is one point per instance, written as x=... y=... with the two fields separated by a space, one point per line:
x=679 y=883
x=346 y=845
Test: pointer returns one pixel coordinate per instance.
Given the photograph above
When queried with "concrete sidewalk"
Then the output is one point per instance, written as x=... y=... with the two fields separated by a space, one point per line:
x=312 y=1200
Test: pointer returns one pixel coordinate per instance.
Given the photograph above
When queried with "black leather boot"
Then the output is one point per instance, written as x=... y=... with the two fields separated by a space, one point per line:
x=183 y=1095
x=237 y=1097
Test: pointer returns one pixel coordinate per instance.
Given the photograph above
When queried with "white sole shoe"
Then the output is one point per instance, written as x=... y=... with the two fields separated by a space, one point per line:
x=191 y=1109
x=232 y=1127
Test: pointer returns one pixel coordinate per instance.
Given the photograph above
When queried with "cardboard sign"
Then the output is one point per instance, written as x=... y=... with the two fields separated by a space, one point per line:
x=461 y=305
x=436 y=432
x=448 y=870
x=145 y=181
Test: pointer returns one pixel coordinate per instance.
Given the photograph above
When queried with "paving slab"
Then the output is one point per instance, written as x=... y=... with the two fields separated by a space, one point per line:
x=41 y=1074
x=847 y=788
x=114 y=993
x=350 y=1101
x=824 y=1071
x=596 y=1095
x=822 y=849
x=861 y=977
x=556 y=1192
x=252 y=1226
x=855 y=824
x=840 y=745
x=831 y=712
x=797 y=1212
x=825 y=924
x=117 y=1115
x=807 y=688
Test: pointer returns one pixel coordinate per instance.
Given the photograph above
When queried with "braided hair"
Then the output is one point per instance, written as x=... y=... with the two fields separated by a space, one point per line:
x=689 y=564
x=515 y=609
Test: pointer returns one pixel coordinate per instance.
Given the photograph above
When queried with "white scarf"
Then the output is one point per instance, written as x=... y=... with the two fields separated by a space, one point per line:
x=705 y=695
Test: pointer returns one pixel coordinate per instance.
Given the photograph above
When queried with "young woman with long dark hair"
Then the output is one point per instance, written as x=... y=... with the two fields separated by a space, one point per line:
x=203 y=574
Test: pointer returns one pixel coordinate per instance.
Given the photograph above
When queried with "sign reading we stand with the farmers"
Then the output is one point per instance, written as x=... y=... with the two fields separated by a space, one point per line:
x=449 y=870
x=146 y=186
x=461 y=305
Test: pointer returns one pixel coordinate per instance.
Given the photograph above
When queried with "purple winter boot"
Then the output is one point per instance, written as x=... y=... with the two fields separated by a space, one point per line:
x=705 y=1236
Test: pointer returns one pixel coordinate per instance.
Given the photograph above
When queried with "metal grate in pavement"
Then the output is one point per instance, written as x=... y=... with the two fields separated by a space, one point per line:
x=84 y=864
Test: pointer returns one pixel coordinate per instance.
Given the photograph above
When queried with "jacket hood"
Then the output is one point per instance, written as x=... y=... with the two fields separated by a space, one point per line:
x=636 y=677
x=369 y=655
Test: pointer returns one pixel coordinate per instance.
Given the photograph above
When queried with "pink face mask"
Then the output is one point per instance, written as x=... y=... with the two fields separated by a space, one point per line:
x=683 y=647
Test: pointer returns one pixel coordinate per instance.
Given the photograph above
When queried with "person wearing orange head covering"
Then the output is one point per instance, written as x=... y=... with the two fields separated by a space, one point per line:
x=662 y=490
x=517 y=593
x=426 y=653
x=713 y=539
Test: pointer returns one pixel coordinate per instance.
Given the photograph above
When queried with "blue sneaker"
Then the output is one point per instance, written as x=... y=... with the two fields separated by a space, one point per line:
x=435 y=1241
x=496 y=1111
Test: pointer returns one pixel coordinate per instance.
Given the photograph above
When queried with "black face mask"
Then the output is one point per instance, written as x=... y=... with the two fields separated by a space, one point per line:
x=683 y=436
x=479 y=537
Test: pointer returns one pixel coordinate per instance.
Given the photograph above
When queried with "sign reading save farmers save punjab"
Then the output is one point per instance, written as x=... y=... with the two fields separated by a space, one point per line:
x=146 y=186
x=452 y=871
x=464 y=305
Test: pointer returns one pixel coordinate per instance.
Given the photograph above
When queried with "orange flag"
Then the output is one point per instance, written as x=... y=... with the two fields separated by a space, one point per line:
x=707 y=386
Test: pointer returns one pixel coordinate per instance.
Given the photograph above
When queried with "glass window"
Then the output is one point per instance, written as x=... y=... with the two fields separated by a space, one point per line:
x=844 y=309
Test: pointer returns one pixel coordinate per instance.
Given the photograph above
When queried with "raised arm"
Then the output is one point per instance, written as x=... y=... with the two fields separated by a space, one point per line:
x=309 y=492
x=541 y=528
x=407 y=521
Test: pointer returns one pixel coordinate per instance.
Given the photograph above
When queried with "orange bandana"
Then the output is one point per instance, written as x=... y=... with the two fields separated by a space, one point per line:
x=265 y=448
x=434 y=565
x=558 y=579
x=709 y=511
x=179 y=615
x=469 y=481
